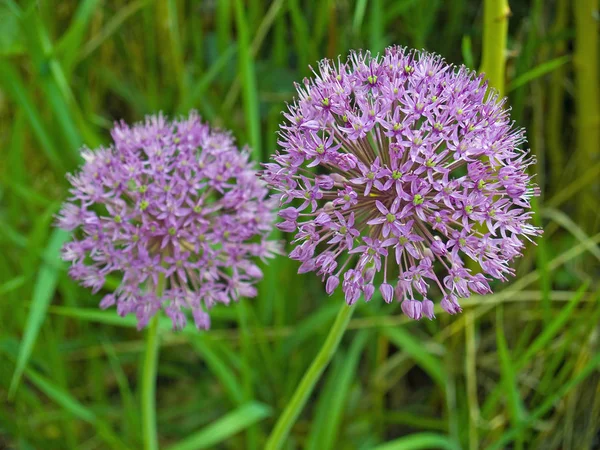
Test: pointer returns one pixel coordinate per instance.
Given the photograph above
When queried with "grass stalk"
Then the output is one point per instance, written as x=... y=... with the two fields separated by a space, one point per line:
x=312 y=375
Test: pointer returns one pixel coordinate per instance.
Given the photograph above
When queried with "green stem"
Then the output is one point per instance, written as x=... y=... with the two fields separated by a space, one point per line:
x=587 y=95
x=495 y=32
x=252 y=431
x=248 y=77
x=312 y=375
x=556 y=98
x=148 y=384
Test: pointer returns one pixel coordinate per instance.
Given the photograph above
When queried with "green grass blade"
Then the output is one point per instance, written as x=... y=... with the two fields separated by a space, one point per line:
x=223 y=19
x=549 y=332
x=538 y=71
x=95 y=315
x=398 y=8
x=12 y=284
x=70 y=404
x=176 y=51
x=280 y=432
x=43 y=292
x=342 y=387
x=109 y=317
x=568 y=224
x=583 y=181
x=552 y=328
x=129 y=92
x=115 y=22
x=219 y=368
x=201 y=85
x=10 y=42
x=542 y=260
x=415 y=420
x=320 y=417
x=467 y=51
x=225 y=427
x=250 y=92
x=406 y=342
x=131 y=416
x=53 y=82
x=548 y=403
x=307 y=328
x=14 y=86
x=509 y=375
x=302 y=35
x=72 y=39
x=247 y=352
x=359 y=16
x=421 y=441
x=377 y=27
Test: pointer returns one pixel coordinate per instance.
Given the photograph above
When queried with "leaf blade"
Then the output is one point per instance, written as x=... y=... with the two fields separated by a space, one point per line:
x=225 y=427
x=405 y=341
x=43 y=292
x=420 y=441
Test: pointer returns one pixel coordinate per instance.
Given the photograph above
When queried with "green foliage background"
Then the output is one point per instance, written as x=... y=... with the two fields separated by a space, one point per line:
x=518 y=369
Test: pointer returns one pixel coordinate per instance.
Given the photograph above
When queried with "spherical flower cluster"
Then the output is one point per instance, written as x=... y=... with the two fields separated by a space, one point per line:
x=395 y=171
x=177 y=211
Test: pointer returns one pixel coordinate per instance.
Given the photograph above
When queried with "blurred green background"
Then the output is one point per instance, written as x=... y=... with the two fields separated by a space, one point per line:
x=518 y=369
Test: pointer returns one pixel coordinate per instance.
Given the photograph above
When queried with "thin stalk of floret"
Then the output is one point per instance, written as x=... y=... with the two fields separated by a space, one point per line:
x=368 y=150
x=343 y=267
x=431 y=239
x=348 y=146
x=385 y=266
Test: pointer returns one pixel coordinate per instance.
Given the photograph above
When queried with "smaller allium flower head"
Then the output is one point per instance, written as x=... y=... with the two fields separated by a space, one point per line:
x=416 y=168
x=177 y=211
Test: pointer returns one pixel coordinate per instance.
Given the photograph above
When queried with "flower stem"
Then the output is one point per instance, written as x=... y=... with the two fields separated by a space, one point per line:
x=148 y=384
x=495 y=31
x=312 y=375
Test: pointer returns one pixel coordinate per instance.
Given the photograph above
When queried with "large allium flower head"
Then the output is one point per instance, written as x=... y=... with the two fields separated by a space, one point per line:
x=177 y=211
x=416 y=168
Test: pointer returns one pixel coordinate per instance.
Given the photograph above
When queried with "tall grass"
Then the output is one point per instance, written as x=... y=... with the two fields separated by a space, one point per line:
x=519 y=369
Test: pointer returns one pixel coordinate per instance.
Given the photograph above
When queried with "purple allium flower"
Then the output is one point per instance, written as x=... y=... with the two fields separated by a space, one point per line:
x=419 y=170
x=172 y=207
